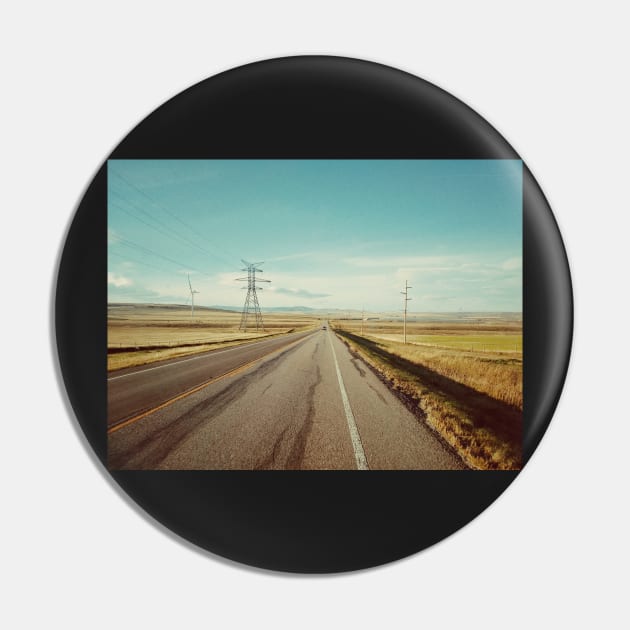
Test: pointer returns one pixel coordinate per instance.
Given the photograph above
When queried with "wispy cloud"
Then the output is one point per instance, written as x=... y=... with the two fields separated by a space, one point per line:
x=512 y=264
x=302 y=293
x=117 y=280
x=417 y=262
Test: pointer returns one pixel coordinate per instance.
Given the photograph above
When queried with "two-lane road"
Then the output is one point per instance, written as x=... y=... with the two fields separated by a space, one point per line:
x=134 y=390
x=301 y=402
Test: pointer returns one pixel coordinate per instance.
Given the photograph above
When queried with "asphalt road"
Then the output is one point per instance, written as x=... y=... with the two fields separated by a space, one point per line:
x=134 y=390
x=298 y=402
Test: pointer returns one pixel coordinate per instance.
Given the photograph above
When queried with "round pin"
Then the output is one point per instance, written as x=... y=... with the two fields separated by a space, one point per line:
x=313 y=314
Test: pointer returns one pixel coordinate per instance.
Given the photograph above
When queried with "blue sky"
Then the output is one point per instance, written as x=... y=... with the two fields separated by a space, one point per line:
x=332 y=233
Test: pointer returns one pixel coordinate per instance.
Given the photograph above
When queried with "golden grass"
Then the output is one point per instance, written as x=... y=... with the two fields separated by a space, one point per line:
x=141 y=334
x=474 y=402
x=498 y=377
x=142 y=356
x=493 y=369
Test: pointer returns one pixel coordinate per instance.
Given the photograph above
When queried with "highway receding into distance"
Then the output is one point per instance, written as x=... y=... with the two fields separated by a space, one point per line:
x=298 y=401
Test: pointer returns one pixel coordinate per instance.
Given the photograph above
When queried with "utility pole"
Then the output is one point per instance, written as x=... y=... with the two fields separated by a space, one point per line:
x=251 y=309
x=405 y=292
x=362 y=319
x=192 y=298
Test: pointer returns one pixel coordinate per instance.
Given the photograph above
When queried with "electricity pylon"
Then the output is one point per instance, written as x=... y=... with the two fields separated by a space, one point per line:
x=251 y=309
x=407 y=287
x=192 y=298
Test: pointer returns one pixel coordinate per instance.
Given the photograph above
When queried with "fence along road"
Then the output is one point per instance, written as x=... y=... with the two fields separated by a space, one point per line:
x=307 y=404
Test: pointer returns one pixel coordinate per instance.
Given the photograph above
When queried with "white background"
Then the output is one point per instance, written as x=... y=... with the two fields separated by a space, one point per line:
x=552 y=78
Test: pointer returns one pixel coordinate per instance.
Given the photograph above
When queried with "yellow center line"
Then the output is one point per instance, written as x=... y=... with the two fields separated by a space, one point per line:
x=189 y=392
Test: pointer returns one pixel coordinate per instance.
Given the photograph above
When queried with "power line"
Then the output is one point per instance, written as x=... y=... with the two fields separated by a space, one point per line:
x=166 y=233
x=172 y=215
x=146 y=250
x=140 y=262
x=160 y=226
x=149 y=216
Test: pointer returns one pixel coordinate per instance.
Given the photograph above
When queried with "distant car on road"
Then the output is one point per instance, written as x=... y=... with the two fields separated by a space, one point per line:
x=323 y=327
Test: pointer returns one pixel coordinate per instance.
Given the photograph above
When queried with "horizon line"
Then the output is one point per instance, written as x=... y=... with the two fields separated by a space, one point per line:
x=302 y=307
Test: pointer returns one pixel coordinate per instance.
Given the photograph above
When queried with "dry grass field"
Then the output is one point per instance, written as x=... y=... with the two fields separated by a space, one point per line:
x=466 y=378
x=142 y=333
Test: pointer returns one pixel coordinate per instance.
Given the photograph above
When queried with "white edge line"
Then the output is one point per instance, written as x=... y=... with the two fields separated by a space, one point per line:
x=201 y=356
x=359 y=453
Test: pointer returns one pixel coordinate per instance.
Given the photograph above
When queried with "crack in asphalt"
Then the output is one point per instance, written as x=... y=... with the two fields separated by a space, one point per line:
x=294 y=461
x=378 y=393
x=269 y=461
x=160 y=443
x=357 y=366
x=355 y=361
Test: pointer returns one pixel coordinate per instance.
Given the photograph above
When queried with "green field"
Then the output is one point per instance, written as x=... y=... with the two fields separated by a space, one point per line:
x=472 y=342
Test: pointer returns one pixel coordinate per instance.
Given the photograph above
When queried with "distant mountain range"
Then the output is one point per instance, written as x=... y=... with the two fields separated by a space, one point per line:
x=169 y=307
x=338 y=313
x=287 y=309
